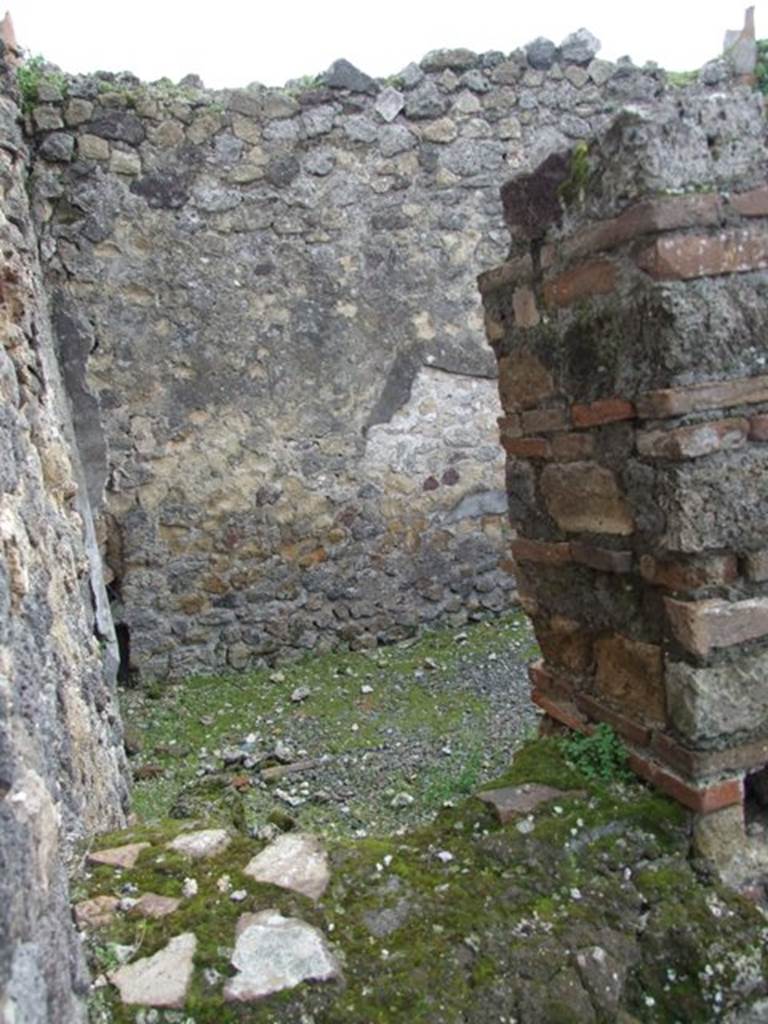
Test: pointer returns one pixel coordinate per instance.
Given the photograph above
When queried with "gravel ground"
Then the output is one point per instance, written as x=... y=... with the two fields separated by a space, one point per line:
x=368 y=743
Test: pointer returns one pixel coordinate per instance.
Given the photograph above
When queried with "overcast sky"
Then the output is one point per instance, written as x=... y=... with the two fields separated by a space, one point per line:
x=234 y=42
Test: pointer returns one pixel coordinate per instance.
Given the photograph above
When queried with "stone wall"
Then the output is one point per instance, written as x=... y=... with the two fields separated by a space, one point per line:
x=61 y=759
x=631 y=335
x=264 y=301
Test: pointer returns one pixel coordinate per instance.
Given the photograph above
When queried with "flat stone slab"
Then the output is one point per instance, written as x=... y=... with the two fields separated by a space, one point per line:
x=160 y=980
x=151 y=904
x=197 y=845
x=97 y=912
x=511 y=801
x=273 y=953
x=295 y=861
x=117 y=856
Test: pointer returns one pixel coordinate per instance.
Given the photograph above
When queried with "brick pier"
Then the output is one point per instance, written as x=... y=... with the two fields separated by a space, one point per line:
x=630 y=324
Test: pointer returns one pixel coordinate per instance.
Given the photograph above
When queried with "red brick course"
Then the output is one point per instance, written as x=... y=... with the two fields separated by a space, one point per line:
x=527 y=447
x=702 y=799
x=683 y=257
x=751 y=204
x=596 y=277
x=699 y=397
x=646 y=217
x=604 y=410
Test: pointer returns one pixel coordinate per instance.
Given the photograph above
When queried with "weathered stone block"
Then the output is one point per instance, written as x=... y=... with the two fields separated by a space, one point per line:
x=585 y=497
x=565 y=643
x=543 y=421
x=630 y=674
x=573 y=447
x=711 y=504
x=700 y=626
x=523 y=381
x=694 y=441
x=709 y=705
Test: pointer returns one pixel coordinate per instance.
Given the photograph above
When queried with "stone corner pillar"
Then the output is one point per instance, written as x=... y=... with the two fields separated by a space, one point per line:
x=630 y=324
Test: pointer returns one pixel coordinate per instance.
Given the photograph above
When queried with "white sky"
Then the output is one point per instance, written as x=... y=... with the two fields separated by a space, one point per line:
x=231 y=43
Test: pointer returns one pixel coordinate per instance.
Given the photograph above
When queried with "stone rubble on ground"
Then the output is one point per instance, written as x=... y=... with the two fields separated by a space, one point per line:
x=118 y=856
x=295 y=861
x=511 y=801
x=159 y=980
x=273 y=953
x=199 y=845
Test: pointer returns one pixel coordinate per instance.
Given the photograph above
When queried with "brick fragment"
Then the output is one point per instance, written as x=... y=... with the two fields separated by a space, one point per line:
x=602 y=559
x=569 y=447
x=694 y=441
x=585 y=497
x=527 y=447
x=542 y=678
x=758 y=428
x=524 y=381
x=698 y=397
x=700 y=626
x=674 y=574
x=684 y=257
x=596 y=277
x=630 y=674
x=651 y=215
x=604 y=410
x=756 y=566
x=753 y=203
x=564 y=711
x=542 y=421
x=543 y=552
x=524 y=307
x=626 y=727
x=699 y=798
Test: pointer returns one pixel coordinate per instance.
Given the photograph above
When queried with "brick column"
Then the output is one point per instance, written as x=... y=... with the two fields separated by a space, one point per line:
x=630 y=324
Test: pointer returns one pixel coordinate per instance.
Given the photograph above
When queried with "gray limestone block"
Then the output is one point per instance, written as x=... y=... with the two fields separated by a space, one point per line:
x=453 y=60
x=541 y=53
x=426 y=101
x=579 y=47
x=344 y=75
x=118 y=125
x=711 y=704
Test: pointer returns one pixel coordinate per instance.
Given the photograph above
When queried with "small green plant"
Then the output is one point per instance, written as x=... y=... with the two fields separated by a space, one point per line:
x=600 y=756
x=572 y=190
x=681 y=78
x=761 y=68
x=30 y=76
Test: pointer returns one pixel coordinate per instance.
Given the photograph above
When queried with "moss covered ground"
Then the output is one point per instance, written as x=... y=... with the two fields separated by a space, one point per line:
x=587 y=910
